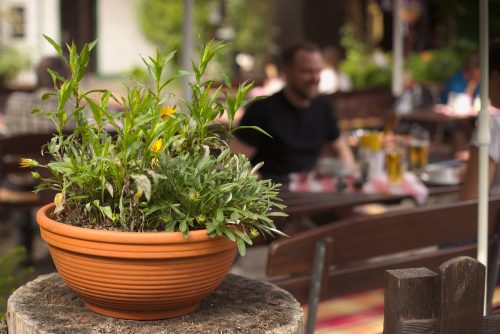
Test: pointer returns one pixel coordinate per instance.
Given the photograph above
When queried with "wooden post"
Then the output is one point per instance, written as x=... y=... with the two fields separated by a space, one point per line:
x=409 y=295
x=461 y=296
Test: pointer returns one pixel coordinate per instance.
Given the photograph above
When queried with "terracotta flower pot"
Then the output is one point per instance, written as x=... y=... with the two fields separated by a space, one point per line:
x=134 y=275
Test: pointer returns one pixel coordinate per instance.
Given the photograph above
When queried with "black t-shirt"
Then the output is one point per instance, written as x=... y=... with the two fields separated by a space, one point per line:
x=298 y=135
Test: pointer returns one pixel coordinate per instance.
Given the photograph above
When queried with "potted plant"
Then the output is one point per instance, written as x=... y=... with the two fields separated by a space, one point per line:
x=148 y=216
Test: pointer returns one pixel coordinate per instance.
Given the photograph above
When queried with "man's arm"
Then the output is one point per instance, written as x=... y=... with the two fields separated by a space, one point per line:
x=237 y=146
x=470 y=186
x=343 y=151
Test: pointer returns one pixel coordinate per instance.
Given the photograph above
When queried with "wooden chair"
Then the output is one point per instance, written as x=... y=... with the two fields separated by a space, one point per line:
x=363 y=109
x=352 y=255
x=16 y=183
x=12 y=149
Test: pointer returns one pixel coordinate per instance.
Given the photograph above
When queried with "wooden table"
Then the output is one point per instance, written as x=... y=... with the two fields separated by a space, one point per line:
x=307 y=203
x=302 y=205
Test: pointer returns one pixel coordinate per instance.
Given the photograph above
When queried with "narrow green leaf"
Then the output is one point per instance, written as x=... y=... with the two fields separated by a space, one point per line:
x=241 y=247
x=54 y=44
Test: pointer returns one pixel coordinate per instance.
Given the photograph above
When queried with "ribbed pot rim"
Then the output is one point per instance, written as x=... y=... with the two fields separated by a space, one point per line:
x=125 y=237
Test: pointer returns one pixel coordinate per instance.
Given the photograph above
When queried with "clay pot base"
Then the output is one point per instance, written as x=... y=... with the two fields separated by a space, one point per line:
x=141 y=315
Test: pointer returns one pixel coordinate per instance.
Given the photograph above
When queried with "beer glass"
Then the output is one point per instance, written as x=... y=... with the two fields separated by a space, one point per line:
x=395 y=160
x=418 y=149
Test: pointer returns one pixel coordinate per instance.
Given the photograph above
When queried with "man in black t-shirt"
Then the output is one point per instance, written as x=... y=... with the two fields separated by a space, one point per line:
x=299 y=121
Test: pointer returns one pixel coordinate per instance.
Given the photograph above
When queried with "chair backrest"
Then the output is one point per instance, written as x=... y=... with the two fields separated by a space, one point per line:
x=12 y=149
x=363 y=108
x=351 y=262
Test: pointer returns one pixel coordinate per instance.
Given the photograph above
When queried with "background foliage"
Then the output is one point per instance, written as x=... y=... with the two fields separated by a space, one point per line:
x=437 y=65
x=361 y=63
x=10 y=274
x=161 y=22
x=12 y=61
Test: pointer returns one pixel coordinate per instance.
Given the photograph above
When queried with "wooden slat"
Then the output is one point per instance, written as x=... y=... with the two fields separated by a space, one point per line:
x=367 y=276
x=409 y=295
x=461 y=298
x=490 y=325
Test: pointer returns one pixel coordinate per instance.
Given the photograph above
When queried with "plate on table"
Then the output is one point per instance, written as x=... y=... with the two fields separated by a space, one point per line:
x=441 y=175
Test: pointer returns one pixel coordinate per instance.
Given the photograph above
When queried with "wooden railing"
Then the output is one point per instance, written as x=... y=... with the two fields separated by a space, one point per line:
x=448 y=302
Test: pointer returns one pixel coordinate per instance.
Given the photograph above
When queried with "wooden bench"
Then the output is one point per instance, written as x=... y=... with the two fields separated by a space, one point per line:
x=352 y=255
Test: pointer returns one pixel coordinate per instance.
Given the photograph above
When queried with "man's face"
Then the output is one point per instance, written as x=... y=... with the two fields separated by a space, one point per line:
x=303 y=74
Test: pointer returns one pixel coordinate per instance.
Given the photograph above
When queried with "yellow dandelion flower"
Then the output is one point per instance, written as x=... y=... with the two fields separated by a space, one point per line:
x=28 y=163
x=157 y=145
x=167 y=112
x=58 y=199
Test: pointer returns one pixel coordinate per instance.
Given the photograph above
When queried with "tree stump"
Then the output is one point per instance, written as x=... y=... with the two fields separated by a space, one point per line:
x=240 y=305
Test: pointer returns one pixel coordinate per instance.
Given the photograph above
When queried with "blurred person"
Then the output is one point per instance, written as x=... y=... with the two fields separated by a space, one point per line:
x=332 y=79
x=18 y=118
x=469 y=189
x=299 y=120
x=272 y=83
x=464 y=81
x=459 y=93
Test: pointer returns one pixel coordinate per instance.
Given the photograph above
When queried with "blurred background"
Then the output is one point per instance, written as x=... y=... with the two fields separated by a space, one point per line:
x=438 y=35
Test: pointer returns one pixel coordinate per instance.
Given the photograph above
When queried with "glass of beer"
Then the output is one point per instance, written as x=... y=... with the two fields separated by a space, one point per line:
x=395 y=160
x=418 y=149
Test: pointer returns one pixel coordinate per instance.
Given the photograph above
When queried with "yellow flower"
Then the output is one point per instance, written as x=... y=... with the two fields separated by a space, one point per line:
x=137 y=196
x=58 y=199
x=167 y=112
x=28 y=163
x=157 y=145
x=254 y=233
x=194 y=195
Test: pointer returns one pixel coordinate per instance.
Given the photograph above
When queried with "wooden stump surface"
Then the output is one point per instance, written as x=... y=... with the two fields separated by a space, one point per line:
x=240 y=305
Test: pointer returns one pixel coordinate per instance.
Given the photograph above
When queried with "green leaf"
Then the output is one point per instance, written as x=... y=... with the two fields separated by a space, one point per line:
x=107 y=211
x=253 y=127
x=92 y=44
x=45 y=96
x=143 y=182
x=241 y=247
x=228 y=234
x=109 y=188
x=54 y=44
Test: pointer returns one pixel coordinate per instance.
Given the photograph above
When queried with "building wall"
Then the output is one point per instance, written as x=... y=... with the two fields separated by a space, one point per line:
x=121 y=41
x=39 y=17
